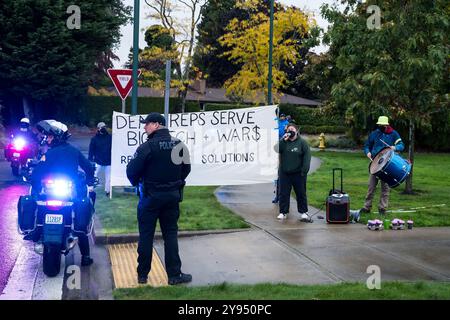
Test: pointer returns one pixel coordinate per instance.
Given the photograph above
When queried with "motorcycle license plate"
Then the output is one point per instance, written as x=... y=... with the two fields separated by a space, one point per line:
x=53 y=219
x=16 y=155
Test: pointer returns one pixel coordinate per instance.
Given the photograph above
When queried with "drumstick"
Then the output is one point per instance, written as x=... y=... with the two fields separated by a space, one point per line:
x=385 y=143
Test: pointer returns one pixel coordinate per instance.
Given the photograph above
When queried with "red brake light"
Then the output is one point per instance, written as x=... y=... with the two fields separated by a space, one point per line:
x=54 y=203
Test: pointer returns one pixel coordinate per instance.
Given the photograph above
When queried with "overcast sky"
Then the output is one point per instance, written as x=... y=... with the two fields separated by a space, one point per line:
x=126 y=41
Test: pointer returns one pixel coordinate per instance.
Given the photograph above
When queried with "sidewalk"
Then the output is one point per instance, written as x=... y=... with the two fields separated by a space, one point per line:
x=307 y=253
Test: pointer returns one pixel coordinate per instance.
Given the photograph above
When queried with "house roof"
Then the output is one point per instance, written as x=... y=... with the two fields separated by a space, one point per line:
x=218 y=95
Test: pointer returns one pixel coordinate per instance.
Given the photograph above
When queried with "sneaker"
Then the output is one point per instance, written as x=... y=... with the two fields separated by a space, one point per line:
x=142 y=280
x=382 y=211
x=86 y=261
x=364 y=210
x=181 y=278
x=304 y=216
x=282 y=216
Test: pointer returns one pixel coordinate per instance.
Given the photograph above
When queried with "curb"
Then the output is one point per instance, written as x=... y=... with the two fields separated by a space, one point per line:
x=101 y=238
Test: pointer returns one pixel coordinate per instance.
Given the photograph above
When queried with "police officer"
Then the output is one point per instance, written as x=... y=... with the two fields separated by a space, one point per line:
x=63 y=158
x=24 y=131
x=160 y=166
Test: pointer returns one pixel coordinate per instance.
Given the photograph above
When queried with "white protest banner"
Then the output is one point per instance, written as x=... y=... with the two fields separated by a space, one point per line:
x=228 y=147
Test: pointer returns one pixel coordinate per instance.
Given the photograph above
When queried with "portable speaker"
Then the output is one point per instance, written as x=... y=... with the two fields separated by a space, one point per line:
x=338 y=203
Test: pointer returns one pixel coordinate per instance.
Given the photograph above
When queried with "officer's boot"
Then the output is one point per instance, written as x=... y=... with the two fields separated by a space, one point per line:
x=86 y=261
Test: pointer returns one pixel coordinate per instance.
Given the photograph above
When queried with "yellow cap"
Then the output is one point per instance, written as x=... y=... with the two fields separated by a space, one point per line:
x=383 y=121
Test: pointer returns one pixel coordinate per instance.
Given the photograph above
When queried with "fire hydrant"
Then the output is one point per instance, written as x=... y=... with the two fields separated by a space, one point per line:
x=322 y=141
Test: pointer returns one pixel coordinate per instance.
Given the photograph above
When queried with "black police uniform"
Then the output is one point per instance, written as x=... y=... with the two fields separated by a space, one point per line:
x=162 y=183
x=64 y=159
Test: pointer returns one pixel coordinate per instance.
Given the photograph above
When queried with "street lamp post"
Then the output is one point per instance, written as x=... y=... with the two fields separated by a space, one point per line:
x=134 y=92
x=269 y=84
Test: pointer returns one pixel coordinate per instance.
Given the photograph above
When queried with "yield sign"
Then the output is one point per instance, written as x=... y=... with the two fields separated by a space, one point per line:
x=122 y=80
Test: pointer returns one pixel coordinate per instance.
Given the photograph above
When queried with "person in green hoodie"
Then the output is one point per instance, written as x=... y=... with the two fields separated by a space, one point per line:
x=295 y=160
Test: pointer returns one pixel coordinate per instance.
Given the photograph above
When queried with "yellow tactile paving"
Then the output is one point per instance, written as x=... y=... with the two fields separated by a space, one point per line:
x=124 y=264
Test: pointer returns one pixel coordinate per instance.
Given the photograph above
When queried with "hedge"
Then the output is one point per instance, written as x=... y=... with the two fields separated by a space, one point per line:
x=338 y=143
x=310 y=120
x=219 y=106
x=325 y=129
x=305 y=116
x=93 y=109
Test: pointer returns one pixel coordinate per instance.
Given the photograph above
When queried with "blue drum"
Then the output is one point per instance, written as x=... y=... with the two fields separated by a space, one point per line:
x=390 y=167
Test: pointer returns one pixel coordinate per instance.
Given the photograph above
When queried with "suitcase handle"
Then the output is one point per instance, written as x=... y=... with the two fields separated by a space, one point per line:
x=342 y=183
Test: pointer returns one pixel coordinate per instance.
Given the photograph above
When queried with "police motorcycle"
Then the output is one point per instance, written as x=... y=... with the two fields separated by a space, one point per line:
x=54 y=215
x=19 y=150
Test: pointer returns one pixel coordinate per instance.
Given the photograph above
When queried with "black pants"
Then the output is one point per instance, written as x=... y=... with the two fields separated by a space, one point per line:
x=287 y=181
x=165 y=207
x=83 y=244
x=83 y=240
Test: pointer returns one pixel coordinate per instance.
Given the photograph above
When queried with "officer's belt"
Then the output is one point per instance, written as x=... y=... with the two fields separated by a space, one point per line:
x=159 y=186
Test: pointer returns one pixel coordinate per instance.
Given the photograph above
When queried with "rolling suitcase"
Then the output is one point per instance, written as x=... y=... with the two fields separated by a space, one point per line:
x=338 y=203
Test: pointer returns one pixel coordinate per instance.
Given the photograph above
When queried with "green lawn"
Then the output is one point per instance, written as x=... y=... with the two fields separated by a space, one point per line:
x=431 y=181
x=199 y=211
x=343 y=291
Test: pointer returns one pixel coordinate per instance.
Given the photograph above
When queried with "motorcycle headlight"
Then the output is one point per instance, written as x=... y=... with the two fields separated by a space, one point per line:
x=58 y=188
x=19 y=144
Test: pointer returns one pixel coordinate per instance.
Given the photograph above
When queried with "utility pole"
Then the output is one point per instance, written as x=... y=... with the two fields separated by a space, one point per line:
x=167 y=93
x=269 y=85
x=134 y=92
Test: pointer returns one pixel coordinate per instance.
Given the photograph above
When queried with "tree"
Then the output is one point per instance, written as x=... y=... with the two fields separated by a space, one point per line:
x=104 y=62
x=152 y=59
x=183 y=35
x=208 y=57
x=399 y=69
x=319 y=74
x=42 y=61
x=158 y=36
x=247 y=43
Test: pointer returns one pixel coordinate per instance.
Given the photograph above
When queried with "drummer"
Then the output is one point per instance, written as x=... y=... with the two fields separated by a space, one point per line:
x=382 y=137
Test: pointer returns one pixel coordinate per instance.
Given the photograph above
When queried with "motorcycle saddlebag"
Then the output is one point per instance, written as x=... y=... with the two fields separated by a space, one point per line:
x=83 y=215
x=26 y=208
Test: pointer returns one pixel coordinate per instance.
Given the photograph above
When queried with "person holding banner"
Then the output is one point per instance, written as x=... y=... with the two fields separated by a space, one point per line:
x=295 y=160
x=282 y=123
x=100 y=153
x=160 y=167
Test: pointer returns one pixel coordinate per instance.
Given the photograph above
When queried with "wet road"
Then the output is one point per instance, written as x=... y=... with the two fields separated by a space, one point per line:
x=10 y=240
